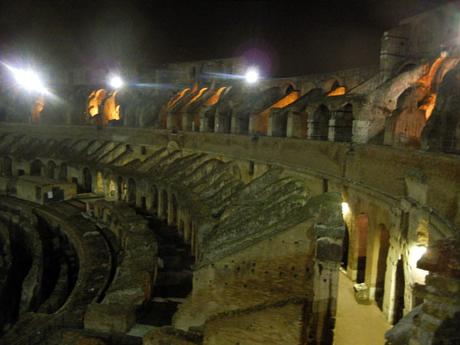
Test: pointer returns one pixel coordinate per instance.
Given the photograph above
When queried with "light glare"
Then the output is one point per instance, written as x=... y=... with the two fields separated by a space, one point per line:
x=252 y=76
x=345 y=208
x=27 y=79
x=116 y=82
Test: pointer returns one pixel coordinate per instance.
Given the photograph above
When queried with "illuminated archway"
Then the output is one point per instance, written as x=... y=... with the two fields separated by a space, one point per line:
x=95 y=100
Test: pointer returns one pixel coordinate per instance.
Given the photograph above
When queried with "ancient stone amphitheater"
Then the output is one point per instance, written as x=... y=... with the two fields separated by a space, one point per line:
x=225 y=214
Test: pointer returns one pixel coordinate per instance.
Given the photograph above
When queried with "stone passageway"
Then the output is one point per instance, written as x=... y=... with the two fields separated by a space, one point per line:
x=357 y=324
x=174 y=280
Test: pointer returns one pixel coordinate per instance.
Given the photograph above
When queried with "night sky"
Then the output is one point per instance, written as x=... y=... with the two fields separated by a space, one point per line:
x=294 y=37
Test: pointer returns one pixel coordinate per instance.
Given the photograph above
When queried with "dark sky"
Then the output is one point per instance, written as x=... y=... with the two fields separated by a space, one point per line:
x=296 y=37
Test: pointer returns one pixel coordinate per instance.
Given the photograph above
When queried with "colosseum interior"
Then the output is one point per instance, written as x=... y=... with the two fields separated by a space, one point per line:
x=314 y=209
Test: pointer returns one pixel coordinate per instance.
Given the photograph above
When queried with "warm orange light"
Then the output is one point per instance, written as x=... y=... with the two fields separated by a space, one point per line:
x=216 y=96
x=339 y=91
x=198 y=95
x=173 y=101
x=111 y=108
x=37 y=108
x=428 y=105
x=94 y=101
x=262 y=117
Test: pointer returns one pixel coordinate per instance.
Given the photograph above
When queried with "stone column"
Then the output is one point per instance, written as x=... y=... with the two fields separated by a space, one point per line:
x=294 y=125
x=329 y=240
x=360 y=131
x=439 y=319
x=332 y=123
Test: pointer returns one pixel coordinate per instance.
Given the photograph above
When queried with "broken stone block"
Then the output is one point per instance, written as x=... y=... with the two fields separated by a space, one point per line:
x=361 y=293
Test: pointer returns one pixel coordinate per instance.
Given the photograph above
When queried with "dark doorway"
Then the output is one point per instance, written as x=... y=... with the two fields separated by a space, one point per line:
x=154 y=199
x=63 y=172
x=362 y=223
x=36 y=168
x=87 y=181
x=345 y=249
x=320 y=123
x=344 y=124
x=381 y=265
x=131 y=191
x=399 y=292
x=50 y=169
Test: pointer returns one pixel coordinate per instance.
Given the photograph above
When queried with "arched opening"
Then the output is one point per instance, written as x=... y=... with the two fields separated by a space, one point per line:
x=164 y=205
x=320 y=123
x=63 y=172
x=154 y=199
x=99 y=182
x=131 y=191
x=400 y=283
x=36 y=167
x=50 y=169
x=120 y=187
x=362 y=223
x=344 y=124
x=7 y=166
x=384 y=241
x=174 y=210
x=87 y=181
x=345 y=249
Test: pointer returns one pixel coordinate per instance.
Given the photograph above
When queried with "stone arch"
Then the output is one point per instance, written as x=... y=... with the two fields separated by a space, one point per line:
x=332 y=84
x=132 y=190
x=51 y=169
x=87 y=180
x=120 y=187
x=36 y=167
x=320 y=123
x=404 y=126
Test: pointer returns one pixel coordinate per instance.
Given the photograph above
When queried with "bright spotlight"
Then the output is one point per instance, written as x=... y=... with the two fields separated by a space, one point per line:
x=345 y=208
x=28 y=79
x=252 y=75
x=416 y=253
x=115 y=82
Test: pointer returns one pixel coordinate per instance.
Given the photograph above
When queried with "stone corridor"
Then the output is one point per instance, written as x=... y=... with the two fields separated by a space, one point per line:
x=357 y=324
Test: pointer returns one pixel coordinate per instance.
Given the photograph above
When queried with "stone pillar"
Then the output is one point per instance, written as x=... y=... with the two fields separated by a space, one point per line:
x=169 y=121
x=252 y=124
x=310 y=128
x=234 y=124
x=186 y=122
x=332 y=123
x=329 y=240
x=360 y=131
x=439 y=320
x=294 y=128
x=271 y=128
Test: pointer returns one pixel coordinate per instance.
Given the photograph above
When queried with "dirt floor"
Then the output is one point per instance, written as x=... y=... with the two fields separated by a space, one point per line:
x=357 y=324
